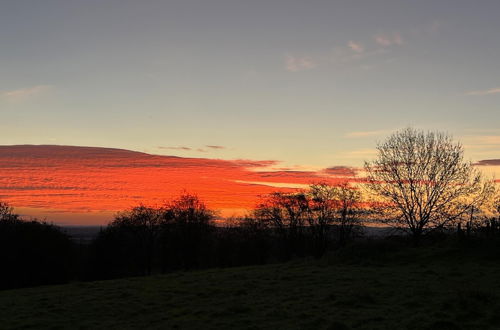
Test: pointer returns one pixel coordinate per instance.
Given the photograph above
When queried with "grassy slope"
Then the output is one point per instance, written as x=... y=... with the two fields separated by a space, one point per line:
x=415 y=289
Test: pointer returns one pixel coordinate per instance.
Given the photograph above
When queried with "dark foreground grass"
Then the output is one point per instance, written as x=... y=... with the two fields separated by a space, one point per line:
x=426 y=288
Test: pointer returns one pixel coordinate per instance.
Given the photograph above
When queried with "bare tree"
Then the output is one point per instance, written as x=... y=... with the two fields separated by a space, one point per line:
x=423 y=182
x=348 y=207
x=7 y=212
x=321 y=214
x=188 y=209
x=332 y=205
x=285 y=212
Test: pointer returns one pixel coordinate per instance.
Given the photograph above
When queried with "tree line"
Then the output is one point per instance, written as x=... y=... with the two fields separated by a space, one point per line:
x=419 y=184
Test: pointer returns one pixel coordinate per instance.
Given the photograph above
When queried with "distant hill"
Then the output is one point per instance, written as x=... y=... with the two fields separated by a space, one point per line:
x=82 y=234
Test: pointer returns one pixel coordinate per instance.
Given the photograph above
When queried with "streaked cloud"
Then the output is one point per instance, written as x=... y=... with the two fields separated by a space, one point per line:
x=484 y=92
x=296 y=64
x=50 y=178
x=176 y=148
x=24 y=93
x=482 y=147
x=341 y=171
x=215 y=147
x=185 y=148
x=488 y=162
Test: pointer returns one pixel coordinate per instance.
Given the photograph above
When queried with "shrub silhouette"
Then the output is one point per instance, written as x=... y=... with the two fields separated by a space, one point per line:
x=32 y=252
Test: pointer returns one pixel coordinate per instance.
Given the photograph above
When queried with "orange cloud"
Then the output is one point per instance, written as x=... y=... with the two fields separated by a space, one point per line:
x=86 y=179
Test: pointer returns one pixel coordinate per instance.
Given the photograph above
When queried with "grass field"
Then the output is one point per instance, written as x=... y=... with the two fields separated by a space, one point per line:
x=365 y=287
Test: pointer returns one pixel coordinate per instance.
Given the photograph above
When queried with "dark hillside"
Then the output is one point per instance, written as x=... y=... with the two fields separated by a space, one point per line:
x=371 y=286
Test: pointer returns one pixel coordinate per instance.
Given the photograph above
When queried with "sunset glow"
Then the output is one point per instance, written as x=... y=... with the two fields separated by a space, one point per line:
x=73 y=180
x=229 y=99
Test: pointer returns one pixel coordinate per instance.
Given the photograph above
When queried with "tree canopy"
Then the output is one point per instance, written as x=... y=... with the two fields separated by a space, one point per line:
x=423 y=182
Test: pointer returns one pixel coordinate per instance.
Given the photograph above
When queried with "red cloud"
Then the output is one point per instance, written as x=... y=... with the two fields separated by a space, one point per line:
x=81 y=179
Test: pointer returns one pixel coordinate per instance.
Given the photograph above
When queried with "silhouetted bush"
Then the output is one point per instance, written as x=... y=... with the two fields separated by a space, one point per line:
x=33 y=253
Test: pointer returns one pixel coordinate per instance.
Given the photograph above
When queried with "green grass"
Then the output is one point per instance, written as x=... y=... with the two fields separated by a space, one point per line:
x=431 y=288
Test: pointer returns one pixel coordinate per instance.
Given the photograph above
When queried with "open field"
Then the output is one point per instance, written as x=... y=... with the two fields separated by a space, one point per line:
x=365 y=287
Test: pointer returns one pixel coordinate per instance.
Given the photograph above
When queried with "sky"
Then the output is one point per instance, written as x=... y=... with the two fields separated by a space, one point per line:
x=308 y=85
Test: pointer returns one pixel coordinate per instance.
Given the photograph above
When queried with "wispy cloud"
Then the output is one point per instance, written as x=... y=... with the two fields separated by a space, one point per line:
x=24 y=93
x=361 y=134
x=482 y=146
x=488 y=162
x=341 y=171
x=215 y=147
x=176 y=148
x=184 y=148
x=356 y=47
x=295 y=63
x=384 y=39
x=484 y=92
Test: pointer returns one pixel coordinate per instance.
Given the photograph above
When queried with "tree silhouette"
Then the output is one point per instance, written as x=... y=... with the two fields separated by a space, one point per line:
x=144 y=224
x=423 y=182
x=32 y=252
x=286 y=213
x=321 y=214
x=337 y=205
x=7 y=213
x=189 y=222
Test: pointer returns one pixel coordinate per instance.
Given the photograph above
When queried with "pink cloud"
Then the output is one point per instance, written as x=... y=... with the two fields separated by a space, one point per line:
x=356 y=47
x=295 y=64
x=389 y=39
x=24 y=93
x=484 y=92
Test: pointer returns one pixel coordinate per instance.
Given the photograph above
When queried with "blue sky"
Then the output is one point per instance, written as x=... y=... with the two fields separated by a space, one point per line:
x=309 y=83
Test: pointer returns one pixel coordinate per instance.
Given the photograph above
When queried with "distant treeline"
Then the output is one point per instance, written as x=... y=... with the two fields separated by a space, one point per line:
x=182 y=235
x=419 y=183
x=179 y=235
